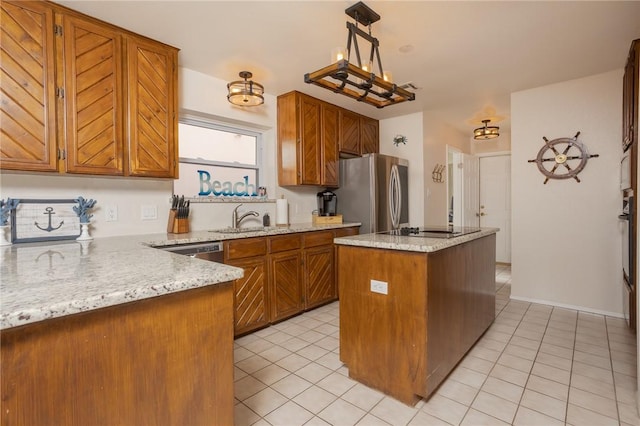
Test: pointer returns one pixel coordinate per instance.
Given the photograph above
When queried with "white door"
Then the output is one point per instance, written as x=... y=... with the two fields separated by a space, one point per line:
x=470 y=189
x=495 y=201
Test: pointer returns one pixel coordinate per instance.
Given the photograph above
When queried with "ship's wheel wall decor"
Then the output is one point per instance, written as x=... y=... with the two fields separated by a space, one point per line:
x=562 y=158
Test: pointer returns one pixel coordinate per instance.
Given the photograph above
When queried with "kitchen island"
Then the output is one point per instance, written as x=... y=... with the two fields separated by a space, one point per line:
x=411 y=307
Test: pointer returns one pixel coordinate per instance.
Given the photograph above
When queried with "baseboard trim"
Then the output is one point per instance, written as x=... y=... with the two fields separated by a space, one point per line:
x=566 y=306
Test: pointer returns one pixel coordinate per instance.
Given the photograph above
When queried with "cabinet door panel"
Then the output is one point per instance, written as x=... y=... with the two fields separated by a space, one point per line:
x=93 y=95
x=349 y=133
x=330 y=138
x=153 y=148
x=319 y=271
x=27 y=87
x=286 y=286
x=310 y=140
x=369 y=139
x=250 y=295
x=245 y=247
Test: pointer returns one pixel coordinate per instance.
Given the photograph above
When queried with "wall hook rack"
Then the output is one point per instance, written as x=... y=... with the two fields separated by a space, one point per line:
x=436 y=174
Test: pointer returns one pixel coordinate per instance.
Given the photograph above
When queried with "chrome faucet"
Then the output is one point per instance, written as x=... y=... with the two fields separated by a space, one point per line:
x=235 y=220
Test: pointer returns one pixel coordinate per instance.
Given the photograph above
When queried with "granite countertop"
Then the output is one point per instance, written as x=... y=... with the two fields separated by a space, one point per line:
x=47 y=280
x=160 y=240
x=410 y=243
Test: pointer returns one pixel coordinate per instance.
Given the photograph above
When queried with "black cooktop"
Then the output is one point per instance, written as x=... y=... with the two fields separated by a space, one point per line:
x=434 y=231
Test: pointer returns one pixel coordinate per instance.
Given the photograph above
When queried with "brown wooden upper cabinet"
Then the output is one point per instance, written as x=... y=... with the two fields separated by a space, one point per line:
x=369 y=136
x=349 y=133
x=630 y=96
x=359 y=135
x=311 y=136
x=55 y=59
x=152 y=96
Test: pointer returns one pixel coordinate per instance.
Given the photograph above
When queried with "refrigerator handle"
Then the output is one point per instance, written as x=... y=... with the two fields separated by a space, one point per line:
x=395 y=201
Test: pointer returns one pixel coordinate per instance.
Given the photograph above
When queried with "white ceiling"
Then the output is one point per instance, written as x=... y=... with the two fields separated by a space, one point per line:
x=466 y=55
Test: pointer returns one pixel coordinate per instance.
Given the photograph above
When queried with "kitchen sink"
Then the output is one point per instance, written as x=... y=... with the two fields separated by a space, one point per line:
x=241 y=230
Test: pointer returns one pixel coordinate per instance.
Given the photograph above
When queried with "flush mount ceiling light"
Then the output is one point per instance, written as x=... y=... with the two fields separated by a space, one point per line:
x=245 y=92
x=486 y=132
x=358 y=80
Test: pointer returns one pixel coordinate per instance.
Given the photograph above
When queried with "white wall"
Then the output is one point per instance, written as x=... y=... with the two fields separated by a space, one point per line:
x=411 y=127
x=500 y=144
x=566 y=237
x=437 y=135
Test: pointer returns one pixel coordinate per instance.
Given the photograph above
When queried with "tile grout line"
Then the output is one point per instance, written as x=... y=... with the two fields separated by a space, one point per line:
x=613 y=376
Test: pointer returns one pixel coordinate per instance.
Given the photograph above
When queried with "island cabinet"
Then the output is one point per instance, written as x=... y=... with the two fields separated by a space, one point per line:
x=408 y=317
x=67 y=104
x=251 y=298
x=165 y=360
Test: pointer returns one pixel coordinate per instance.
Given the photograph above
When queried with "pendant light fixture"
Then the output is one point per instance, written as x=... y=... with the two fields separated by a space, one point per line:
x=356 y=78
x=245 y=92
x=486 y=132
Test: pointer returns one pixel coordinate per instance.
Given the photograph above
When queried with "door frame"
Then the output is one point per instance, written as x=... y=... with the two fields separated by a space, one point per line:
x=454 y=185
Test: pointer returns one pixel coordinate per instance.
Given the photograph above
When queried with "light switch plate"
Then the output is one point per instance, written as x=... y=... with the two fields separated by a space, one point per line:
x=379 y=287
x=111 y=213
x=148 y=212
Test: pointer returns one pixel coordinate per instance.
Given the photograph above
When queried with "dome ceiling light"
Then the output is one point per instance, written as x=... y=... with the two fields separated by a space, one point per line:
x=245 y=92
x=486 y=132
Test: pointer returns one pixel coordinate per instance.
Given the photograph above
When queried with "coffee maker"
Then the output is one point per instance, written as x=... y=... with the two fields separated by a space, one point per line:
x=327 y=202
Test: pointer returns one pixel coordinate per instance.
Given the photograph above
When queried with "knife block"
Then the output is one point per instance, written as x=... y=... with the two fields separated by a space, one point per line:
x=177 y=225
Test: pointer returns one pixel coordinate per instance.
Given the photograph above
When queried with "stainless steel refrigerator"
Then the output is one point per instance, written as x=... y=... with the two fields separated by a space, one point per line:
x=374 y=190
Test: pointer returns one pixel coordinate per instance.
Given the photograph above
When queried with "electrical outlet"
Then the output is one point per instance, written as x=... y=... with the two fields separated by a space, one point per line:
x=111 y=213
x=379 y=287
x=148 y=212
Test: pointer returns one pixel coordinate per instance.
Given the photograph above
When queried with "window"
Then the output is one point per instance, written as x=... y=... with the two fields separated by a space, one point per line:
x=217 y=160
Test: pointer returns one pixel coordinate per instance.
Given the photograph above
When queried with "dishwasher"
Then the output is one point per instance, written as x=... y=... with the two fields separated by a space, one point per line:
x=212 y=251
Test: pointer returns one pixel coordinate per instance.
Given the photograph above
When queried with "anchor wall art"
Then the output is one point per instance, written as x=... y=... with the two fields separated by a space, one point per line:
x=44 y=220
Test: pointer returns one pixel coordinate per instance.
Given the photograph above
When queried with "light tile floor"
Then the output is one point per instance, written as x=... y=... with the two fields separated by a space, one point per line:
x=536 y=365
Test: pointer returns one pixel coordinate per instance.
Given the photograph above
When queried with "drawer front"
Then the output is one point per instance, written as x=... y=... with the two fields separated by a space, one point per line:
x=245 y=247
x=320 y=238
x=345 y=232
x=284 y=243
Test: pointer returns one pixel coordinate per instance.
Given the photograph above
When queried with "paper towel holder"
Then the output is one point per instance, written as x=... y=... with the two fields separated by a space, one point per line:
x=282 y=212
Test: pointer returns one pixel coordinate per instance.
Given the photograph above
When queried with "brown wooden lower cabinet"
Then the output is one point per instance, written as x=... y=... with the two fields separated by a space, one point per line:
x=167 y=360
x=286 y=284
x=404 y=343
x=283 y=275
x=320 y=285
x=251 y=294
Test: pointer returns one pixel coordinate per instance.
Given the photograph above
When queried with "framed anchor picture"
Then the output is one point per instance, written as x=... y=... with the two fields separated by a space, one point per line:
x=44 y=220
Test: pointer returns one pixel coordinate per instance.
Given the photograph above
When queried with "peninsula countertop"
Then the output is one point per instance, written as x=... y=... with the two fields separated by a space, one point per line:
x=47 y=280
x=410 y=243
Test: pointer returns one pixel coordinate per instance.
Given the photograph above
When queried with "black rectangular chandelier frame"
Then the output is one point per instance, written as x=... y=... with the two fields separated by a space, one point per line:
x=350 y=80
